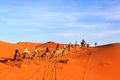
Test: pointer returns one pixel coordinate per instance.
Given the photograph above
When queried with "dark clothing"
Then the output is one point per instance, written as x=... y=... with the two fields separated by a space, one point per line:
x=57 y=45
x=95 y=44
x=16 y=54
x=17 y=51
x=47 y=49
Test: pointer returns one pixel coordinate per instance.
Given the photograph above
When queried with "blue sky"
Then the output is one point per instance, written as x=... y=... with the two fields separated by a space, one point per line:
x=61 y=21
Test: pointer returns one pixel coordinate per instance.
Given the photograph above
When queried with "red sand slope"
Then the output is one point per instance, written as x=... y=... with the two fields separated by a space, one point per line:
x=97 y=63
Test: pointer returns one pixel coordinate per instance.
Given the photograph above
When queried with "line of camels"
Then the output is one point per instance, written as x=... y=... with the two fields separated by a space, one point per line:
x=48 y=54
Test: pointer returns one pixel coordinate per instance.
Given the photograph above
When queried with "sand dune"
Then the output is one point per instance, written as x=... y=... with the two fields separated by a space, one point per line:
x=94 y=63
x=51 y=44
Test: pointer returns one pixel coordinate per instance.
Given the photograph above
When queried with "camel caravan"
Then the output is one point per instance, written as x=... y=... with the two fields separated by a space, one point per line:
x=48 y=54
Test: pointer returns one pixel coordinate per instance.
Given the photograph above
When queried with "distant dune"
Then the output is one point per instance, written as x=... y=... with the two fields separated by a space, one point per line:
x=28 y=44
x=93 y=63
x=51 y=44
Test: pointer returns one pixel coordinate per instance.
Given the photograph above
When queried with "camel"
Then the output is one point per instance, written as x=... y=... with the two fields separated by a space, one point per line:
x=58 y=53
x=65 y=51
x=35 y=54
x=27 y=55
x=48 y=55
x=45 y=55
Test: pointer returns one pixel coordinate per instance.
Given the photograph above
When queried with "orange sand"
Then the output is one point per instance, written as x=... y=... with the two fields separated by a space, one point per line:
x=94 y=63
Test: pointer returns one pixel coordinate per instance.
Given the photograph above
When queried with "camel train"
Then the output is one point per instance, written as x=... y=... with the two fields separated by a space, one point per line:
x=48 y=54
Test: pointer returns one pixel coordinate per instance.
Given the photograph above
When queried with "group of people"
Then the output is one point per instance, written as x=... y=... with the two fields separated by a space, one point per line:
x=26 y=51
x=83 y=43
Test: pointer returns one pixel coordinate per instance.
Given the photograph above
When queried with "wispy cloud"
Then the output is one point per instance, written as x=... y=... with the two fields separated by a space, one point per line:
x=106 y=33
x=109 y=13
x=39 y=17
x=88 y=26
x=68 y=34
